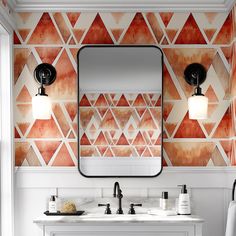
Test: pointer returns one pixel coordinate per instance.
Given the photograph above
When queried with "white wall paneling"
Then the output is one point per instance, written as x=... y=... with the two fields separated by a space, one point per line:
x=210 y=191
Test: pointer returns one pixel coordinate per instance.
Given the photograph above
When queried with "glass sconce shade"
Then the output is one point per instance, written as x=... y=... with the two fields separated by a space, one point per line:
x=44 y=74
x=198 y=107
x=41 y=107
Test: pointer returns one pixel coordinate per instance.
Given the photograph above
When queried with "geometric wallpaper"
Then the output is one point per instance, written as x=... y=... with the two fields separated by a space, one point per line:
x=185 y=38
x=120 y=125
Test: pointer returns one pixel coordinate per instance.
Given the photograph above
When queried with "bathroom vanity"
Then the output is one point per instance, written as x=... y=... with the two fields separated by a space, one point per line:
x=116 y=225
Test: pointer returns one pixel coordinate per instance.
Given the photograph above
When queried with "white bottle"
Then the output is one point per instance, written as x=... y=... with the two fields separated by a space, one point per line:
x=184 y=207
x=164 y=201
x=52 y=205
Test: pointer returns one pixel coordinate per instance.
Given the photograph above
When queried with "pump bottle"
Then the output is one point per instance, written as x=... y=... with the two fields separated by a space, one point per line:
x=184 y=207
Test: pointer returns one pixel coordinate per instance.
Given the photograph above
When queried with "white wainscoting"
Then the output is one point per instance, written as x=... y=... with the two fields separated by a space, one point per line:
x=209 y=188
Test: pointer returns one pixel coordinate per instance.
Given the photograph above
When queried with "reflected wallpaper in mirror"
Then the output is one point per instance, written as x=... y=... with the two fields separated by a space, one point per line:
x=120 y=111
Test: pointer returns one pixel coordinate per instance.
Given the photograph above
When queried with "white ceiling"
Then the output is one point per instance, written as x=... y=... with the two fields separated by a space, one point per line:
x=122 y=5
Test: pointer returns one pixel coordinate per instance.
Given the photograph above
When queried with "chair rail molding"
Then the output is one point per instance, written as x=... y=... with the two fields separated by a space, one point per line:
x=123 y=5
x=69 y=177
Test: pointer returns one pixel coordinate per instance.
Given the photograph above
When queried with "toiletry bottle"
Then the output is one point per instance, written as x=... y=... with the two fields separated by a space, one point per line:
x=164 y=201
x=184 y=202
x=52 y=205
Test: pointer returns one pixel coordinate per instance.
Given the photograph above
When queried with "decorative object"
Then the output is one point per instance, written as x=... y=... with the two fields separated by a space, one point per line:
x=44 y=74
x=195 y=75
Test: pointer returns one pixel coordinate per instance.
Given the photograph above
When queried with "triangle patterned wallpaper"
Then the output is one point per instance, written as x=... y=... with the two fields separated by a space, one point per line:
x=184 y=38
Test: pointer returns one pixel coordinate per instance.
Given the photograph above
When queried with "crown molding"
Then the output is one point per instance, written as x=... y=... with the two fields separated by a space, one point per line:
x=123 y=5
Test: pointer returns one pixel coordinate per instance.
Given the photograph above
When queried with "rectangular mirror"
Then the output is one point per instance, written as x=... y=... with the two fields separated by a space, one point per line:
x=120 y=111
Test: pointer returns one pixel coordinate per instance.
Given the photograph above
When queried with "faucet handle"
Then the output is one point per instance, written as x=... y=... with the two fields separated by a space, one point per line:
x=108 y=209
x=131 y=209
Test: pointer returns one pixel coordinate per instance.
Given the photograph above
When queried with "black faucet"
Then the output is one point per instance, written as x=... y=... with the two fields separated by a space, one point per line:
x=119 y=196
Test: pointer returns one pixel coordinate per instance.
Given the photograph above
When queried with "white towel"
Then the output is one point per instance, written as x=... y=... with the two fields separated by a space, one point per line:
x=231 y=220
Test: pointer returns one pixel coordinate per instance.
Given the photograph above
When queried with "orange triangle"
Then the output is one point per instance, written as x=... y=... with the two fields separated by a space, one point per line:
x=23 y=127
x=86 y=115
x=166 y=17
x=210 y=93
x=117 y=33
x=16 y=39
x=140 y=149
x=227 y=53
x=16 y=133
x=44 y=129
x=171 y=33
x=156 y=28
x=122 y=115
x=140 y=111
x=190 y=33
x=102 y=149
x=78 y=33
x=224 y=128
x=147 y=153
x=122 y=140
x=165 y=41
x=170 y=127
x=48 y=54
x=97 y=33
x=72 y=41
x=131 y=128
x=209 y=33
x=101 y=101
x=209 y=127
x=168 y=106
x=122 y=102
x=45 y=32
x=24 y=33
x=158 y=103
x=21 y=152
x=84 y=102
x=102 y=111
x=147 y=121
x=71 y=135
x=73 y=17
x=66 y=82
x=101 y=140
x=189 y=129
x=24 y=95
x=138 y=32
x=139 y=140
x=139 y=101
x=63 y=158
x=108 y=153
x=225 y=34
x=71 y=108
x=84 y=140
x=47 y=149
x=170 y=91
x=109 y=122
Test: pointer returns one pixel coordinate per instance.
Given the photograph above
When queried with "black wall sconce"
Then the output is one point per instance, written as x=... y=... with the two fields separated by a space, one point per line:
x=195 y=74
x=44 y=74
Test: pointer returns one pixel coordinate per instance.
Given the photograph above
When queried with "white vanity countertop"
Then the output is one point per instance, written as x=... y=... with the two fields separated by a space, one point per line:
x=101 y=218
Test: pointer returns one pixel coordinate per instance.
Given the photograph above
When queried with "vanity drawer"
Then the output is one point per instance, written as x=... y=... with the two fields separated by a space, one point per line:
x=124 y=230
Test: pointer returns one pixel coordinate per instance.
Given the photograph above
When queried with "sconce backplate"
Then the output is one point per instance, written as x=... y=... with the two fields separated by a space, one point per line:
x=195 y=74
x=45 y=74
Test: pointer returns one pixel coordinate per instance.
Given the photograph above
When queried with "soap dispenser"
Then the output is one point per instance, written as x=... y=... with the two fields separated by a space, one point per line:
x=184 y=207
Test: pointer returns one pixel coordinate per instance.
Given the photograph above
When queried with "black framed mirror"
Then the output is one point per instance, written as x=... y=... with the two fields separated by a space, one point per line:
x=120 y=111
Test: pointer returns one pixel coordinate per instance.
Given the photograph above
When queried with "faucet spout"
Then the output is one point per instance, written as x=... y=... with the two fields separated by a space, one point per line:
x=118 y=193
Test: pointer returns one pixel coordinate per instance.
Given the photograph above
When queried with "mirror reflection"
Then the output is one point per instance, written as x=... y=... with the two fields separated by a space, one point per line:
x=120 y=111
